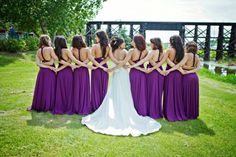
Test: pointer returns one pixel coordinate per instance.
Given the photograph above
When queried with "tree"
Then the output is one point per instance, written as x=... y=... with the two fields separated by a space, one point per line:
x=123 y=33
x=48 y=16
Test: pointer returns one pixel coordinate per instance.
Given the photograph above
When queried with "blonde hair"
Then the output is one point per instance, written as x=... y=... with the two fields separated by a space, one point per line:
x=44 y=40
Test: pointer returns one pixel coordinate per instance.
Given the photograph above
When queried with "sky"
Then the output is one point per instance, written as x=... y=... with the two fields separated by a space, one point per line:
x=168 y=10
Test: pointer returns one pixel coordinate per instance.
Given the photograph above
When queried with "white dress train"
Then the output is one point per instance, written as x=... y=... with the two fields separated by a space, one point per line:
x=117 y=115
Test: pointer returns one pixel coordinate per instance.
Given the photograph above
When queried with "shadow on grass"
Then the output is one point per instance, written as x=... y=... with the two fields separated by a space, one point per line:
x=8 y=58
x=190 y=127
x=49 y=120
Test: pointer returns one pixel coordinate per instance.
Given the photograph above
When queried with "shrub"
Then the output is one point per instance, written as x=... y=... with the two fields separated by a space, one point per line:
x=15 y=45
x=32 y=43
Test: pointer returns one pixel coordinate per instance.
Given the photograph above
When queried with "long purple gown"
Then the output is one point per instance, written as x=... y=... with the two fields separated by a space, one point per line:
x=155 y=84
x=139 y=90
x=44 y=92
x=81 y=96
x=173 y=107
x=64 y=92
x=191 y=95
x=99 y=85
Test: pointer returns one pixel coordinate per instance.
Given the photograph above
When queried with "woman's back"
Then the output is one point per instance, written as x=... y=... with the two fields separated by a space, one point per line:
x=97 y=51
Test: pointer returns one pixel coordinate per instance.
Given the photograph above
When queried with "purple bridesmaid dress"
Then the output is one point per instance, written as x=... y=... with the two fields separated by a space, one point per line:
x=139 y=90
x=191 y=95
x=155 y=84
x=64 y=92
x=99 y=85
x=173 y=107
x=81 y=96
x=44 y=92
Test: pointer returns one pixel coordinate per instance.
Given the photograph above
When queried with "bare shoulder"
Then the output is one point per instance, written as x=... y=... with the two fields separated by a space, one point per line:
x=86 y=49
x=74 y=49
x=95 y=46
x=49 y=49
x=67 y=50
x=197 y=57
x=131 y=50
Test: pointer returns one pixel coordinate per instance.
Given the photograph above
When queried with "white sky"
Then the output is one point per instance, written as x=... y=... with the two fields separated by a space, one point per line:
x=168 y=10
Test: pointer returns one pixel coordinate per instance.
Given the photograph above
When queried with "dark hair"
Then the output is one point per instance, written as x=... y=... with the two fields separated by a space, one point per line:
x=59 y=43
x=44 y=40
x=115 y=43
x=139 y=43
x=78 y=42
x=177 y=43
x=157 y=44
x=103 y=40
x=191 y=47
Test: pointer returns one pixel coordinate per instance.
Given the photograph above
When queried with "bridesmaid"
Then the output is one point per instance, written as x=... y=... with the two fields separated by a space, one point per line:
x=99 y=76
x=81 y=85
x=44 y=93
x=190 y=81
x=173 y=108
x=155 y=78
x=64 y=86
x=138 y=75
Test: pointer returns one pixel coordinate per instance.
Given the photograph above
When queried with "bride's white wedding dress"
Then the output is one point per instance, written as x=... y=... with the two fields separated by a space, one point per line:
x=117 y=115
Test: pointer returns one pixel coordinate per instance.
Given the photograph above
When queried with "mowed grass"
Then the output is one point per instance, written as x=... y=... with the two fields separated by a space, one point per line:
x=25 y=133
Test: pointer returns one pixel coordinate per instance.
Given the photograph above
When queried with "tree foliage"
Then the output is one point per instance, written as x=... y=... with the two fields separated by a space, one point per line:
x=48 y=16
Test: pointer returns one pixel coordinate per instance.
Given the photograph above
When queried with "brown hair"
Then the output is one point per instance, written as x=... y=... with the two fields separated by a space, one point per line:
x=78 y=42
x=191 y=47
x=157 y=44
x=104 y=43
x=44 y=40
x=140 y=43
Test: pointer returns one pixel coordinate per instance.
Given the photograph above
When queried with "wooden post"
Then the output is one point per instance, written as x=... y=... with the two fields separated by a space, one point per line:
x=131 y=31
x=220 y=39
x=182 y=33
x=88 y=35
x=232 y=42
x=98 y=26
x=207 y=44
x=195 y=33
x=142 y=30
x=109 y=31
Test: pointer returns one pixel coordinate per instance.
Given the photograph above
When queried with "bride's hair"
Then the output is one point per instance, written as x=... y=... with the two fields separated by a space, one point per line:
x=115 y=43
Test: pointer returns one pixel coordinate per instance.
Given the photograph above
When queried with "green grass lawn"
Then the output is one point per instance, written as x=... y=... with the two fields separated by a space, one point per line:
x=25 y=133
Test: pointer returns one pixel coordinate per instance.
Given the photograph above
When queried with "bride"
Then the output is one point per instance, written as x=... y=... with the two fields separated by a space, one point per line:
x=117 y=115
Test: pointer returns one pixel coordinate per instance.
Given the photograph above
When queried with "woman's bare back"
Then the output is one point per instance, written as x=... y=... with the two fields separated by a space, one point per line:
x=45 y=53
x=82 y=55
x=97 y=51
x=136 y=54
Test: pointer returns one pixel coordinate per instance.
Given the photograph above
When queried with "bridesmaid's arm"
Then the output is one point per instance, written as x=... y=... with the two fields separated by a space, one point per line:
x=61 y=68
x=177 y=66
x=105 y=60
x=148 y=57
x=49 y=62
x=187 y=67
x=164 y=58
x=71 y=56
x=91 y=58
x=196 y=69
x=39 y=64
